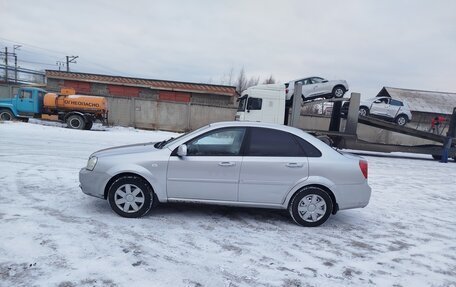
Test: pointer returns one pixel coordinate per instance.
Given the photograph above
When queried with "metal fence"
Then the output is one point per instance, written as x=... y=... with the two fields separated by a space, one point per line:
x=12 y=74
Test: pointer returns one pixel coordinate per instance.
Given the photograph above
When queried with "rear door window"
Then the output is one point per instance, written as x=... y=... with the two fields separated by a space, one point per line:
x=273 y=143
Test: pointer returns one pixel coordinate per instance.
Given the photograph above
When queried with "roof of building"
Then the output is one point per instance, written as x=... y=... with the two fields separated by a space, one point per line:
x=423 y=101
x=146 y=83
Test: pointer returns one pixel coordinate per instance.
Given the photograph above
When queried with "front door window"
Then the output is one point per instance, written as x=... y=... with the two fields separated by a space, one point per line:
x=226 y=142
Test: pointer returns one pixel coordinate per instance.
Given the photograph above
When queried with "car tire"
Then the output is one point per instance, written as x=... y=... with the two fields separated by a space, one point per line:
x=310 y=207
x=6 y=115
x=76 y=122
x=363 y=111
x=130 y=196
x=401 y=120
x=338 y=92
x=88 y=125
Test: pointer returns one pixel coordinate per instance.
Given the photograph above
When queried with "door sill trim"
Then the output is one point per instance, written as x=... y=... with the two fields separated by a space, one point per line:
x=226 y=202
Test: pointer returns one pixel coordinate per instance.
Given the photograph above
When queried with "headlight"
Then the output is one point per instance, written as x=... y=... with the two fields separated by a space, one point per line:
x=91 y=163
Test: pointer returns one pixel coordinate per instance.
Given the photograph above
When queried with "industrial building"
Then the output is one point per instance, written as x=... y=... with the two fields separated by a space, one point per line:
x=149 y=103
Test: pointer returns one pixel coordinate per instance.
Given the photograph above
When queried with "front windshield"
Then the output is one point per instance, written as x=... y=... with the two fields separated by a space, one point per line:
x=242 y=102
x=317 y=80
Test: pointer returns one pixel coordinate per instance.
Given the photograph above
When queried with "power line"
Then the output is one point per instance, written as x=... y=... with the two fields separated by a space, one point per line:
x=30 y=45
x=51 y=52
x=39 y=63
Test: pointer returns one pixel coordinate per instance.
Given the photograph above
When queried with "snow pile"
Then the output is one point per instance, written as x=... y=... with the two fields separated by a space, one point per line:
x=51 y=234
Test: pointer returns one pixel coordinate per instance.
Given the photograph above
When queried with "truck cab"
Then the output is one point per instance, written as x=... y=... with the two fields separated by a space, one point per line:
x=28 y=102
x=263 y=103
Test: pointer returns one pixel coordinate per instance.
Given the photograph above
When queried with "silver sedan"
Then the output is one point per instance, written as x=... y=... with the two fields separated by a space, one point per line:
x=231 y=163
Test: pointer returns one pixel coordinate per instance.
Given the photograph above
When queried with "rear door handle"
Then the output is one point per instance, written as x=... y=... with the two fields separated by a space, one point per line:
x=227 y=163
x=294 y=164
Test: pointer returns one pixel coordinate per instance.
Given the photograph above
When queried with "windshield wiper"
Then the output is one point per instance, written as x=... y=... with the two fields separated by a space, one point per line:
x=163 y=143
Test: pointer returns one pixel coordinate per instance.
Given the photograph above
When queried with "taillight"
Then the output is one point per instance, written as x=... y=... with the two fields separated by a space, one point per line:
x=363 y=167
x=286 y=91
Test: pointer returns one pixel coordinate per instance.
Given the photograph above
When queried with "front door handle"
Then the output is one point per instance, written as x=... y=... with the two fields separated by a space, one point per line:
x=294 y=164
x=227 y=163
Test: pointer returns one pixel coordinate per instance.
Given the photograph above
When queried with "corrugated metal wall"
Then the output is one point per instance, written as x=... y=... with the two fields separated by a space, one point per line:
x=164 y=115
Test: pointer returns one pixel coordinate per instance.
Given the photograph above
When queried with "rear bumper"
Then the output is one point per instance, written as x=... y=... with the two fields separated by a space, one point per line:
x=353 y=195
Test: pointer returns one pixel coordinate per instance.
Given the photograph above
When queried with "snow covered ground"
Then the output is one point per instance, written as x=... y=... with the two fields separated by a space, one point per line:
x=51 y=234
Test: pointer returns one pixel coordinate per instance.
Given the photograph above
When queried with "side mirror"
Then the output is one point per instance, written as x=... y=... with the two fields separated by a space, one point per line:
x=182 y=150
x=324 y=81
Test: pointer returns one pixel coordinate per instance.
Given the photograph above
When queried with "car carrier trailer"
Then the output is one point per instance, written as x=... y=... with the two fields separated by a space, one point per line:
x=266 y=103
x=348 y=139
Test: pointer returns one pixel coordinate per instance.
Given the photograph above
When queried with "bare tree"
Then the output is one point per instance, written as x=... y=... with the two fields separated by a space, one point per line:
x=227 y=78
x=252 y=82
x=241 y=82
x=270 y=80
x=230 y=77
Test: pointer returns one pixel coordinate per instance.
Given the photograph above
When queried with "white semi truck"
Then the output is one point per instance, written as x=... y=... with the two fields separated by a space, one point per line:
x=263 y=103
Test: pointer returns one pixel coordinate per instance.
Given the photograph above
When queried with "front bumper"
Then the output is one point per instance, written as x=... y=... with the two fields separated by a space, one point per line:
x=92 y=182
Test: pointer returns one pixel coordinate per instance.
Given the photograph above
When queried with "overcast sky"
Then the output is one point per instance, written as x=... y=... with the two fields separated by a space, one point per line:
x=371 y=44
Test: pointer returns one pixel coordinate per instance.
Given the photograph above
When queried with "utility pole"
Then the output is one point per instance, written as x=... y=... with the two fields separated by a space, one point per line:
x=70 y=59
x=60 y=64
x=15 y=47
x=6 y=64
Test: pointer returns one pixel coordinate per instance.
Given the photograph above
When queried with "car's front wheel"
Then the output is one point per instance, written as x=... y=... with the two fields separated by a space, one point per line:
x=130 y=196
x=338 y=92
x=363 y=111
x=310 y=207
x=401 y=120
x=6 y=115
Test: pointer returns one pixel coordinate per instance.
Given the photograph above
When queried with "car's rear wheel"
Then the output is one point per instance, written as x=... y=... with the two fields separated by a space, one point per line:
x=310 y=207
x=363 y=111
x=401 y=120
x=88 y=125
x=6 y=115
x=338 y=92
x=130 y=196
x=76 y=122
